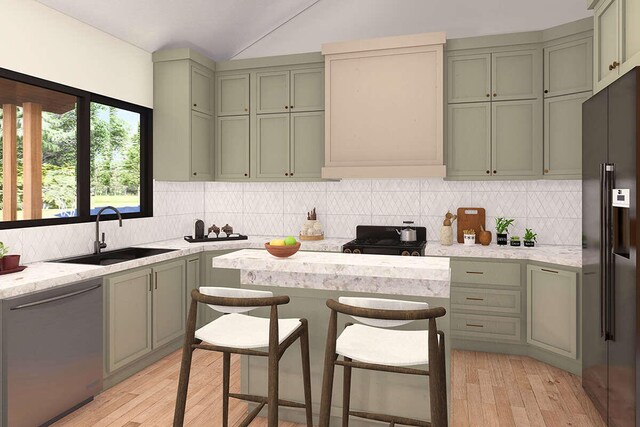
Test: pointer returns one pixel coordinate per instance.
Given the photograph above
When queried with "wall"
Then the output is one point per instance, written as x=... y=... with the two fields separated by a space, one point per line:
x=44 y=43
x=552 y=208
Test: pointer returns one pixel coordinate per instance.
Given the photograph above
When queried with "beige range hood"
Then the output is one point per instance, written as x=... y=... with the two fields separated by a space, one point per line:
x=384 y=107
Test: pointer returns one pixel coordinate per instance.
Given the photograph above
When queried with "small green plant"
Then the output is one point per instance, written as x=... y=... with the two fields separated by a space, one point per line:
x=529 y=235
x=3 y=250
x=503 y=224
x=515 y=238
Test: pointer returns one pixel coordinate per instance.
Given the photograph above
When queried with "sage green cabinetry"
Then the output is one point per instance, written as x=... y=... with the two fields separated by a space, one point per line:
x=232 y=147
x=274 y=130
x=209 y=276
x=552 y=318
x=516 y=74
x=183 y=90
x=469 y=139
x=568 y=67
x=616 y=40
x=469 y=78
x=145 y=310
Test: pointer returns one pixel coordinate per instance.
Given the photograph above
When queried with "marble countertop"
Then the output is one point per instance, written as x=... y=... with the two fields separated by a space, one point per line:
x=43 y=275
x=387 y=274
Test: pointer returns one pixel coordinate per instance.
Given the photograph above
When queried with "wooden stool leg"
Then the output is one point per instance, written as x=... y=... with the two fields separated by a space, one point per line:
x=273 y=363
x=346 y=393
x=329 y=367
x=226 y=368
x=185 y=368
x=306 y=371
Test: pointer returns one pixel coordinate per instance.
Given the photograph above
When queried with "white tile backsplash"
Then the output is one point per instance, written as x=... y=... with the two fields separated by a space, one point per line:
x=552 y=208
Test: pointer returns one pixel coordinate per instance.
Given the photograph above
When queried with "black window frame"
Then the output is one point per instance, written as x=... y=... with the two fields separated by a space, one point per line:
x=83 y=172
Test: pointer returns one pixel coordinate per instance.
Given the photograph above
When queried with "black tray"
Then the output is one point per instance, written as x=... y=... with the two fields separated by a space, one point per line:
x=190 y=239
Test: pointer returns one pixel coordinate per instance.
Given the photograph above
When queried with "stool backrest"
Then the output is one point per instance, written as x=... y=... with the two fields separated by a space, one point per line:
x=382 y=304
x=233 y=293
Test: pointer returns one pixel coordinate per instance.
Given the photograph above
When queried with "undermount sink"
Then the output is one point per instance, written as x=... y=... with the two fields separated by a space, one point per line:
x=115 y=257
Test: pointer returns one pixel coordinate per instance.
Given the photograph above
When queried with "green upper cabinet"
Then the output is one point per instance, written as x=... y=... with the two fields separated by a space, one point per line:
x=307 y=90
x=201 y=147
x=169 y=302
x=563 y=135
x=272 y=92
x=516 y=138
x=469 y=139
x=606 y=39
x=232 y=95
x=568 y=67
x=232 y=147
x=516 y=75
x=182 y=116
x=307 y=144
x=469 y=78
x=272 y=145
x=201 y=90
x=295 y=90
x=630 y=32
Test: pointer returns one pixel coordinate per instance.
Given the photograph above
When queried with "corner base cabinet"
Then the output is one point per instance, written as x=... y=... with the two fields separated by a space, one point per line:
x=552 y=318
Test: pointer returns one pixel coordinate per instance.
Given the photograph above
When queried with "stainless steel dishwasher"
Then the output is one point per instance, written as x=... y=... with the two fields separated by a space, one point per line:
x=51 y=353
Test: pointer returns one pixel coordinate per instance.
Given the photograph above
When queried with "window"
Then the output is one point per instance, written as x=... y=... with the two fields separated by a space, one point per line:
x=67 y=153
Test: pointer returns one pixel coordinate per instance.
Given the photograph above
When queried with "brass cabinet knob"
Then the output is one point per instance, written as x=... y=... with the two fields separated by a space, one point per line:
x=495 y=171
x=246 y=109
x=488 y=95
x=610 y=67
x=488 y=171
x=286 y=107
x=615 y=64
x=495 y=94
x=546 y=171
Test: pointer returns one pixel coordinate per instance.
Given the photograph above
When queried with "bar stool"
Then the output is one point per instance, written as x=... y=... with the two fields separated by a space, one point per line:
x=369 y=345
x=238 y=333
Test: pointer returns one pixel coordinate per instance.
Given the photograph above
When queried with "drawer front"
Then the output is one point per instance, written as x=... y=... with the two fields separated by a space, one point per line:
x=479 y=299
x=486 y=273
x=485 y=327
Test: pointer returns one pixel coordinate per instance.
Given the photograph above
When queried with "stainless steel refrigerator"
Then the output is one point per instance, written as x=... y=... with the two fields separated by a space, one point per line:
x=610 y=138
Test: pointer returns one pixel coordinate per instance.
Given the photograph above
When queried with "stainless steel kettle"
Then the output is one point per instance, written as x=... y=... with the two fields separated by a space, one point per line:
x=408 y=233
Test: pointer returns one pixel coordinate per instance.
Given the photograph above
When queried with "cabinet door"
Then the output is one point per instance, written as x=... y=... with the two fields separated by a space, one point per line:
x=272 y=136
x=232 y=95
x=307 y=144
x=606 y=39
x=516 y=147
x=563 y=135
x=516 y=75
x=273 y=92
x=630 y=42
x=568 y=68
x=201 y=147
x=222 y=277
x=469 y=139
x=201 y=86
x=129 y=322
x=469 y=78
x=169 y=302
x=193 y=282
x=232 y=147
x=552 y=310
x=307 y=90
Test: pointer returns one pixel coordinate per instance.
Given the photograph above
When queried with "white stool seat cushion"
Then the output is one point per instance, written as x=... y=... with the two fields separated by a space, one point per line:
x=384 y=346
x=242 y=331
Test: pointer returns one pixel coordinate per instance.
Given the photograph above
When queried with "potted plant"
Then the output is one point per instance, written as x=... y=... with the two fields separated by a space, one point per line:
x=502 y=228
x=469 y=236
x=530 y=238
x=3 y=252
x=515 y=240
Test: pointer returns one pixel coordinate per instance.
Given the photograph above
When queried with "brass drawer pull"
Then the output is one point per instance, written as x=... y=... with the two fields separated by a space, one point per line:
x=473 y=325
x=475 y=299
x=475 y=272
x=549 y=271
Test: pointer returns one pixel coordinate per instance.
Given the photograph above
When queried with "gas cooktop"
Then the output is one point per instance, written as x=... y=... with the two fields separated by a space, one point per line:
x=384 y=240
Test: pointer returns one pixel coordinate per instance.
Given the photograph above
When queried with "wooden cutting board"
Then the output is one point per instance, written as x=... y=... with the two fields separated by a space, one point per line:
x=470 y=218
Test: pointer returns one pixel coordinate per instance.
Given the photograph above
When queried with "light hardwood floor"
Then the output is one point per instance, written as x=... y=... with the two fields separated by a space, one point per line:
x=487 y=390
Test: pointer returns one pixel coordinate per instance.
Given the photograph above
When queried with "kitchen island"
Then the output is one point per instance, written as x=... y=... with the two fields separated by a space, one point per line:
x=309 y=279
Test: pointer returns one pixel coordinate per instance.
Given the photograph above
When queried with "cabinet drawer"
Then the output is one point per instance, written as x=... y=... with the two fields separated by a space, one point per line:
x=485 y=300
x=486 y=273
x=485 y=327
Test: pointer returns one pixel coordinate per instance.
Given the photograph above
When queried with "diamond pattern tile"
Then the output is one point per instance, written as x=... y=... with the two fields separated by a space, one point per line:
x=263 y=202
x=438 y=203
x=305 y=201
x=396 y=203
x=355 y=203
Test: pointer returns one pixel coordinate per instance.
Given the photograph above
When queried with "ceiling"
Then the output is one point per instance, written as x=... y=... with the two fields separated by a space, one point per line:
x=223 y=29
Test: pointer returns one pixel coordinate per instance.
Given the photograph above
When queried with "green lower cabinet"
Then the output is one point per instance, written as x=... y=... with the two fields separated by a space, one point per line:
x=485 y=327
x=169 y=296
x=563 y=135
x=128 y=332
x=552 y=318
x=307 y=144
x=209 y=276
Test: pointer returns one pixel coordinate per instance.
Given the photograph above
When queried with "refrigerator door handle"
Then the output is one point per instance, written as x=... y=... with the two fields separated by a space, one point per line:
x=607 y=253
x=603 y=268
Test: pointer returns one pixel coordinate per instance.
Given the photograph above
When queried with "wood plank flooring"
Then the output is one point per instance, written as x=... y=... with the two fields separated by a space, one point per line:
x=487 y=390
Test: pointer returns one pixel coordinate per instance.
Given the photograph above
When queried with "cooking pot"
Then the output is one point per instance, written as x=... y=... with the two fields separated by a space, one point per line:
x=408 y=233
